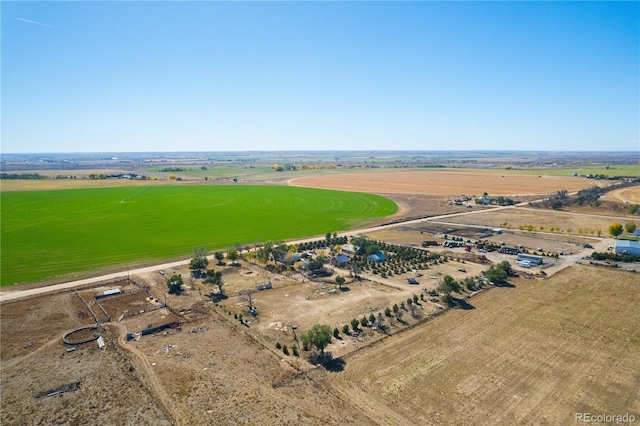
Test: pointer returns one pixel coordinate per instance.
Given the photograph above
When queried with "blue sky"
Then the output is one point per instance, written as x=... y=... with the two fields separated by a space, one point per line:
x=229 y=76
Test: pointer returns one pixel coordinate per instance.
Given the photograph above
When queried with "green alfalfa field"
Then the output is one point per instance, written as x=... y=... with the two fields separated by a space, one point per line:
x=47 y=235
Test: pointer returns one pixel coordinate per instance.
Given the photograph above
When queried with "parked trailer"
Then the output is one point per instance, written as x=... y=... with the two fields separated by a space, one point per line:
x=524 y=263
x=534 y=260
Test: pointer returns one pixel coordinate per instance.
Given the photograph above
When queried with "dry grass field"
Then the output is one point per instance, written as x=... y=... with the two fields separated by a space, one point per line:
x=445 y=183
x=570 y=222
x=54 y=184
x=630 y=195
x=533 y=354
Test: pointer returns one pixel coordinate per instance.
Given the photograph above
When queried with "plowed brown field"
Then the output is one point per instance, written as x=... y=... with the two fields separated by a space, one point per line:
x=444 y=183
x=537 y=353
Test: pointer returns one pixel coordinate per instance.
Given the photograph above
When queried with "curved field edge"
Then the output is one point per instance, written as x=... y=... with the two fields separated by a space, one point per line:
x=49 y=234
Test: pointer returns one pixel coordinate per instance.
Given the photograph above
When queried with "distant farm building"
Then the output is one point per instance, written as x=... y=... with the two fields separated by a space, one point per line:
x=378 y=257
x=341 y=259
x=532 y=259
x=628 y=247
x=290 y=259
x=486 y=200
x=413 y=281
x=108 y=293
x=349 y=248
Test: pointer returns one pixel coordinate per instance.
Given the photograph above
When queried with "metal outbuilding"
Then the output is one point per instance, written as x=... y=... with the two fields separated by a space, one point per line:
x=628 y=247
x=532 y=259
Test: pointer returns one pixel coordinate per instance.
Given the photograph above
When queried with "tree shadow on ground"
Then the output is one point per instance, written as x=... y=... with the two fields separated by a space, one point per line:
x=505 y=284
x=344 y=289
x=217 y=297
x=461 y=304
x=326 y=359
x=335 y=365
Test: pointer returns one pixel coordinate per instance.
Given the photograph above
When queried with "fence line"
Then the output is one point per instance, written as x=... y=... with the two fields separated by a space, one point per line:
x=87 y=305
x=103 y=311
x=133 y=313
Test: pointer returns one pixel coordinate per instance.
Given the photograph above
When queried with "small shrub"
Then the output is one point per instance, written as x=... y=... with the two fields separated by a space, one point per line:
x=354 y=324
x=295 y=351
x=336 y=332
x=285 y=350
x=278 y=345
x=345 y=329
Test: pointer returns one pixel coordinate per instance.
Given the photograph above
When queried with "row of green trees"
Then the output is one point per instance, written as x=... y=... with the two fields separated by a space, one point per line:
x=329 y=241
x=27 y=176
x=616 y=257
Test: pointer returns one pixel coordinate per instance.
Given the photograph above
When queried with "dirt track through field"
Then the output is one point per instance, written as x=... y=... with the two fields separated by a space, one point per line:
x=149 y=376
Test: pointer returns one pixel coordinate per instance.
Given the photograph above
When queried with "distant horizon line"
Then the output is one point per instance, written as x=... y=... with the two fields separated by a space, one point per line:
x=328 y=151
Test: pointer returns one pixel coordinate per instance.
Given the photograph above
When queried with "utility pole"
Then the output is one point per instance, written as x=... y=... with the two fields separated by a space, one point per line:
x=295 y=338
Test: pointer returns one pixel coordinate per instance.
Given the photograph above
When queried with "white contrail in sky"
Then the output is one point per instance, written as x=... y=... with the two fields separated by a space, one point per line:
x=34 y=22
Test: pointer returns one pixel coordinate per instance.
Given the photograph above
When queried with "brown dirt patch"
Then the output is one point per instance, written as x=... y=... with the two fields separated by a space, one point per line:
x=30 y=320
x=444 y=183
x=109 y=388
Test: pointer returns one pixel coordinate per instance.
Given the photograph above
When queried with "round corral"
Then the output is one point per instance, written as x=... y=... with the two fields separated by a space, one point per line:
x=81 y=335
